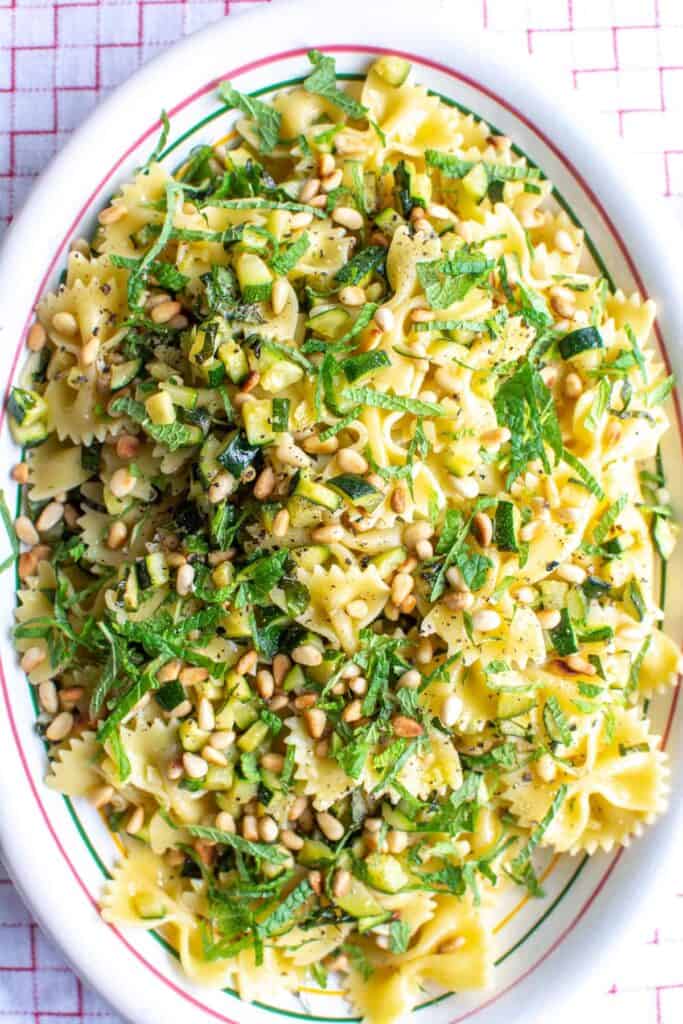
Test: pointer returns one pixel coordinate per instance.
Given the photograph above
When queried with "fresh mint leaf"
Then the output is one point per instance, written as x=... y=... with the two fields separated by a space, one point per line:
x=323 y=82
x=525 y=405
x=287 y=259
x=267 y=118
x=263 y=851
x=394 y=403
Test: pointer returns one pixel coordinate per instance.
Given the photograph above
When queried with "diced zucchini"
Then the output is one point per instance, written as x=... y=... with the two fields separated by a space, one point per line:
x=280 y=375
x=157 y=568
x=358 y=900
x=91 y=457
x=581 y=340
x=26 y=407
x=316 y=493
x=257 y=414
x=512 y=705
x=330 y=324
x=476 y=182
x=394 y=70
x=124 y=373
x=236 y=624
x=170 y=695
x=294 y=680
x=213 y=371
x=149 y=906
x=219 y=778
x=280 y=414
x=563 y=636
x=385 y=872
x=160 y=408
x=315 y=853
x=203 y=341
x=255 y=279
x=183 y=396
x=387 y=562
x=388 y=220
x=357 y=367
x=553 y=593
x=309 y=557
x=191 y=737
x=396 y=819
x=303 y=513
x=208 y=464
x=28 y=435
x=245 y=714
x=237 y=454
x=253 y=240
x=505 y=526
x=234 y=360
x=357 y=490
x=664 y=534
x=253 y=737
x=242 y=793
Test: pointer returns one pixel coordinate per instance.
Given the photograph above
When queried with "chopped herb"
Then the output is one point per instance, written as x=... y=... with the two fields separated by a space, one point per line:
x=267 y=118
x=323 y=82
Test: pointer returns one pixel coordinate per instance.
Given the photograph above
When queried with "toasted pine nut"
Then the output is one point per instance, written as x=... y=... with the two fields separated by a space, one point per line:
x=352 y=296
x=573 y=385
x=246 y=666
x=193 y=675
x=571 y=573
x=281 y=666
x=466 y=486
x=401 y=585
x=32 y=658
x=206 y=720
x=332 y=181
x=564 y=242
x=309 y=189
x=486 y=620
x=410 y=679
x=267 y=829
x=548 y=618
x=50 y=516
x=353 y=712
x=184 y=579
x=291 y=840
x=330 y=826
x=195 y=767
x=406 y=727
x=225 y=822
x=265 y=483
x=60 y=727
x=451 y=709
x=47 y=696
x=577 y=663
x=459 y=600
x=26 y=531
x=265 y=683
x=170 y=671
x=281 y=523
x=316 y=720
x=384 y=318
x=122 y=483
x=348 y=218
x=65 y=323
x=36 y=337
x=342 y=883
x=483 y=528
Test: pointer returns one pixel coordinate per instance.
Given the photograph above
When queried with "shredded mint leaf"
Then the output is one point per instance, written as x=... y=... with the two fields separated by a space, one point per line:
x=395 y=403
x=521 y=861
x=372 y=258
x=265 y=852
x=167 y=276
x=525 y=405
x=583 y=473
x=285 y=261
x=448 y=280
x=10 y=531
x=399 y=936
x=163 y=139
x=661 y=392
x=609 y=518
x=267 y=118
x=137 y=278
x=323 y=82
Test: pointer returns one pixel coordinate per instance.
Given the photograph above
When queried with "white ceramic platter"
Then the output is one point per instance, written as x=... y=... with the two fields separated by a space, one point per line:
x=58 y=850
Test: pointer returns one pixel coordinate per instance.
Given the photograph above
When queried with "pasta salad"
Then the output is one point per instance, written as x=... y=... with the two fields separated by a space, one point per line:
x=343 y=511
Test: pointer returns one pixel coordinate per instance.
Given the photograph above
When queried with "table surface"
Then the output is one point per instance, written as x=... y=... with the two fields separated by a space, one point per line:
x=58 y=57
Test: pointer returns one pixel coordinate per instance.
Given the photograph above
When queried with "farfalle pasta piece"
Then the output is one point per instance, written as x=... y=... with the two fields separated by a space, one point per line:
x=616 y=783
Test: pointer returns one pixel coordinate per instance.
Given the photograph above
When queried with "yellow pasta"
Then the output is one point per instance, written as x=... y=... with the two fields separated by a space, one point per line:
x=345 y=518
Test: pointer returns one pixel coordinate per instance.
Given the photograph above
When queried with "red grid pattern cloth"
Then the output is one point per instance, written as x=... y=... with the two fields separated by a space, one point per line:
x=58 y=57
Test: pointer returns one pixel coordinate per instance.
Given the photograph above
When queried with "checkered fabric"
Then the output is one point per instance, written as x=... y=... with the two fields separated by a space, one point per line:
x=59 y=57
